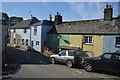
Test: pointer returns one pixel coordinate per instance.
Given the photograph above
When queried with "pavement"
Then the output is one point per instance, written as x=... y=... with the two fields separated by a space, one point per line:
x=34 y=65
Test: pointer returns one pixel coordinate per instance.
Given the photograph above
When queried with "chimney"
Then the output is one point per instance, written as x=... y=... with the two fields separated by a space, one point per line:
x=108 y=12
x=50 y=17
x=58 y=19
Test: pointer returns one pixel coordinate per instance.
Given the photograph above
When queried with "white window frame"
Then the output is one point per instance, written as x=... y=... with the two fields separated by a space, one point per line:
x=118 y=41
x=88 y=40
x=37 y=43
x=35 y=30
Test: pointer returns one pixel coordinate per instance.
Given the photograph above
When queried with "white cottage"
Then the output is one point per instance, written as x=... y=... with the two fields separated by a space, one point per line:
x=21 y=33
x=30 y=33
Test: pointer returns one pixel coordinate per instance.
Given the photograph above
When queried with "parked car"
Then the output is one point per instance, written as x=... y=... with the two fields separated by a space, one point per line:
x=66 y=56
x=107 y=61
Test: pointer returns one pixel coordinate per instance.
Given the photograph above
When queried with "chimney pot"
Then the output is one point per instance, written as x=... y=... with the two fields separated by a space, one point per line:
x=50 y=17
x=110 y=6
x=107 y=6
x=57 y=13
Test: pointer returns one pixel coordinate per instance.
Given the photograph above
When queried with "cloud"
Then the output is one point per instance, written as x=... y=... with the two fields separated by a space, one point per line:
x=87 y=10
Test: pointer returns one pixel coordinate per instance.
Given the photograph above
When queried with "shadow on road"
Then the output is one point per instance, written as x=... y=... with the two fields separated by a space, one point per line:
x=107 y=72
x=16 y=57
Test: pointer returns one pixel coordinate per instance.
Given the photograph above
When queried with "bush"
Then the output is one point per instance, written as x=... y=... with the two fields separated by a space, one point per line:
x=9 y=45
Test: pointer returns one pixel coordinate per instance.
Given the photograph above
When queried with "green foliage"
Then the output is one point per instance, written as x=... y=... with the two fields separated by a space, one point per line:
x=9 y=45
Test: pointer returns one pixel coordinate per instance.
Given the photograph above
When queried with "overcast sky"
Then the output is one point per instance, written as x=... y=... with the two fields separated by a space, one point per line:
x=69 y=10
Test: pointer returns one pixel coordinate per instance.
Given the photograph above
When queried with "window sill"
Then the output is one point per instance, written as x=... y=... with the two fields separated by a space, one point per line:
x=88 y=44
x=117 y=46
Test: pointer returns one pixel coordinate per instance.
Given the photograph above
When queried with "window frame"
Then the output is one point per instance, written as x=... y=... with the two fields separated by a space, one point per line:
x=88 y=40
x=27 y=42
x=37 y=43
x=23 y=43
x=117 y=43
x=35 y=31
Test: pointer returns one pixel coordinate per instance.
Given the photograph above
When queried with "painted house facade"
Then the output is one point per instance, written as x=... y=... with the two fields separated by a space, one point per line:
x=92 y=37
x=31 y=34
x=21 y=33
x=39 y=34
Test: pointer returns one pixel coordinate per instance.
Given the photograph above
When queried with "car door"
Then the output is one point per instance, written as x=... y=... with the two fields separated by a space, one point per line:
x=104 y=62
x=62 y=55
x=115 y=63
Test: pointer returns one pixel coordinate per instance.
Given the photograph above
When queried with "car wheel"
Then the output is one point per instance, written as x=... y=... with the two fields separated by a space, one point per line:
x=69 y=63
x=53 y=60
x=88 y=67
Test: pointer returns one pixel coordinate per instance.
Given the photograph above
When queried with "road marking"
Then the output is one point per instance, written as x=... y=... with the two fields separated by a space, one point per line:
x=103 y=76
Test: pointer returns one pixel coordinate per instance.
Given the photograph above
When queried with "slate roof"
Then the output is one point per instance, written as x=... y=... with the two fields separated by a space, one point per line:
x=43 y=22
x=98 y=26
x=25 y=23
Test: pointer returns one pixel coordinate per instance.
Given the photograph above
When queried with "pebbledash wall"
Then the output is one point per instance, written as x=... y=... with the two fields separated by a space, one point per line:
x=95 y=49
x=109 y=43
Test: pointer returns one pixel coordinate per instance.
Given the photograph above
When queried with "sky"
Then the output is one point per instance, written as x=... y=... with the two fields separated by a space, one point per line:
x=70 y=11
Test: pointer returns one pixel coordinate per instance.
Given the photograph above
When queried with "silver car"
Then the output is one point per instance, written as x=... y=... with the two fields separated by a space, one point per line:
x=66 y=56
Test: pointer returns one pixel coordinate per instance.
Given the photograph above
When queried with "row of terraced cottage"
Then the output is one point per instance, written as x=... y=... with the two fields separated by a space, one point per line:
x=92 y=37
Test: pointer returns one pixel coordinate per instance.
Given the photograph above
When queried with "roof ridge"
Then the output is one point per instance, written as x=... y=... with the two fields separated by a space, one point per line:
x=84 y=20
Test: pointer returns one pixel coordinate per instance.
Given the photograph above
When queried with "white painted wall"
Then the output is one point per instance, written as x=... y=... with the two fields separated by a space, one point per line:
x=41 y=36
x=109 y=43
x=22 y=34
x=35 y=38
